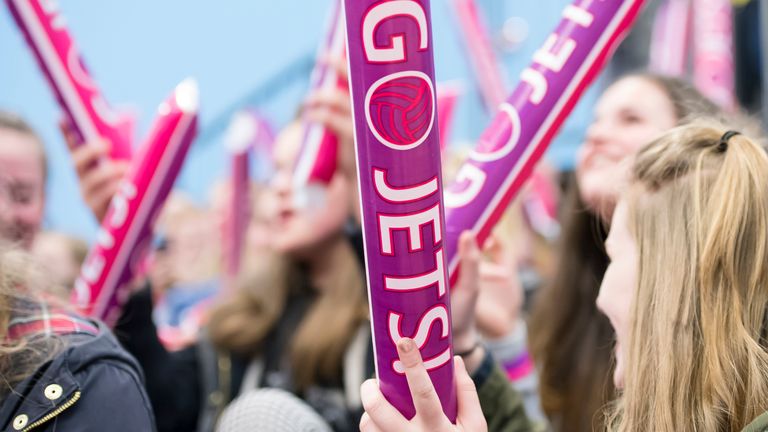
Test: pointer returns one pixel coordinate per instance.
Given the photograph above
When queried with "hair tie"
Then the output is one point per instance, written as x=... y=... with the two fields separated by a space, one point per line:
x=723 y=145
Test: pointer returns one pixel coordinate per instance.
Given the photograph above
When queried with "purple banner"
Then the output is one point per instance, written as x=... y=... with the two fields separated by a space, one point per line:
x=398 y=157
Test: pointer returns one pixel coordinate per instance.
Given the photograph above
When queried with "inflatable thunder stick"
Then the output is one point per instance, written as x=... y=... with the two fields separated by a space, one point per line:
x=508 y=150
x=85 y=109
x=480 y=51
x=398 y=159
x=248 y=131
x=447 y=97
x=239 y=206
x=126 y=231
x=713 y=71
x=318 y=154
x=669 y=40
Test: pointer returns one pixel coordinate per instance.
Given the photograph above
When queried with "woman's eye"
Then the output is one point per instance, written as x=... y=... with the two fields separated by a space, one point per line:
x=631 y=119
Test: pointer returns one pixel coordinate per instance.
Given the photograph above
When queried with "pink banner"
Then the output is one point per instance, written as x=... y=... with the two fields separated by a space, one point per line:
x=86 y=110
x=318 y=153
x=485 y=65
x=713 y=71
x=126 y=231
x=669 y=40
x=525 y=124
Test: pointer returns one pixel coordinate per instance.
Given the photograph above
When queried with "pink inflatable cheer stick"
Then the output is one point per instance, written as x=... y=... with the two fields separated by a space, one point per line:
x=713 y=51
x=85 y=108
x=485 y=65
x=126 y=231
x=319 y=149
x=398 y=160
x=247 y=131
x=447 y=97
x=669 y=41
x=503 y=160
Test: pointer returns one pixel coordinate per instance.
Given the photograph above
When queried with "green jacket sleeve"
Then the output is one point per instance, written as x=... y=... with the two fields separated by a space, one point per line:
x=760 y=424
x=502 y=405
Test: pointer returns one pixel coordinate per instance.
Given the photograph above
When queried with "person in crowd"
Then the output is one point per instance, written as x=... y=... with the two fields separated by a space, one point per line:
x=62 y=255
x=569 y=338
x=298 y=320
x=684 y=292
x=60 y=371
x=23 y=165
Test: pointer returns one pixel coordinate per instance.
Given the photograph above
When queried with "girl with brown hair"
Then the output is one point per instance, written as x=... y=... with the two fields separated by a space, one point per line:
x=297 y=321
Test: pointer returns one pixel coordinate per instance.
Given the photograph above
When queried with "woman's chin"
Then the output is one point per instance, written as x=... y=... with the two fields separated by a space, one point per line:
x=618 y=378
x=618 y=372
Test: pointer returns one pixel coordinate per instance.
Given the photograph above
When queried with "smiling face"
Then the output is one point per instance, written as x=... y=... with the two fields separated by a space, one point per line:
x=302 y=230
x=23 y=183
x=629 y=115
x=619 y=284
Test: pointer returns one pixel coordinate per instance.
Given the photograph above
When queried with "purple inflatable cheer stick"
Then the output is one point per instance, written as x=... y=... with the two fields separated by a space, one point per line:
x=86 y=111
x=509 y=148
x=126 y=231
x=319 y=149
x=398 y=158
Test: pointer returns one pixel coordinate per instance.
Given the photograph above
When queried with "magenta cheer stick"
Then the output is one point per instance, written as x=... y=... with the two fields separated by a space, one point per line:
x=504 y=158
x=447 y=97
x=318 y=153
x=247 y=132
x=85 y=109
x=669 y=40
x=713 y=71
x=126 y=231
x=485 y=65
x=391 y=70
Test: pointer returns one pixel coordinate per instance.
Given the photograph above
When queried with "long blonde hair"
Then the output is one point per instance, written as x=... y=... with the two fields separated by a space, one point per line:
x=21 y=281
x=569 y=338
x=696 y=355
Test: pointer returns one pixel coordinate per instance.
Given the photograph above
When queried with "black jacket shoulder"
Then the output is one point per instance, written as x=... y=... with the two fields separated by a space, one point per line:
x=92 y=385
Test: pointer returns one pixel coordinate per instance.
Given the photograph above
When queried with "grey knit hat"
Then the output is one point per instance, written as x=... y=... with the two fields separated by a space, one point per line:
x=270 y=410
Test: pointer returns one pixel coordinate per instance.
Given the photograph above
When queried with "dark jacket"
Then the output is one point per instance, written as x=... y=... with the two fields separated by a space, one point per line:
x=92 y=385
x=189 y=388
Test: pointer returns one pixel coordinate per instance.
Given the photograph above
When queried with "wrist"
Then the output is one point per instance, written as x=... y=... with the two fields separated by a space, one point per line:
x=474 y=360
x=465 y=341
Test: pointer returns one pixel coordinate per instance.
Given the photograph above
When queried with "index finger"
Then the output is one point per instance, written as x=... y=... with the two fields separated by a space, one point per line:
x=425 y=399
x=86 y=156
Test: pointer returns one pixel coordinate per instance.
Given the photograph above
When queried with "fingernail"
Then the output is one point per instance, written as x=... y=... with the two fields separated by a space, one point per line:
x=406 y=345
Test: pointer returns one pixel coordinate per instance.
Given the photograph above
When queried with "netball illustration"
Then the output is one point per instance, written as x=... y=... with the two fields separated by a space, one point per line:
x=401 y=110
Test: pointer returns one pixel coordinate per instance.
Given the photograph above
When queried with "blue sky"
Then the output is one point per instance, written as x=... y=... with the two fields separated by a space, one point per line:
x=139 y=50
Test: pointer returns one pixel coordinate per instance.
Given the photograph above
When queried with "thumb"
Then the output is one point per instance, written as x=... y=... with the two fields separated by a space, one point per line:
x=494 y=249
x=469 y=256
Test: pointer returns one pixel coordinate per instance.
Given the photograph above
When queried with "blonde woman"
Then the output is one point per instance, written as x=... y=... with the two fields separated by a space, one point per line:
x=686 y=292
